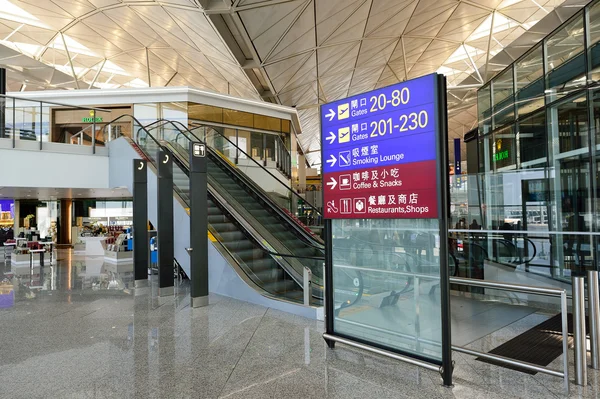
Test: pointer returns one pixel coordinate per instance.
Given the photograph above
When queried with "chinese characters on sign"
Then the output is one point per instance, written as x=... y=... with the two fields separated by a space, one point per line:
x=379 y=153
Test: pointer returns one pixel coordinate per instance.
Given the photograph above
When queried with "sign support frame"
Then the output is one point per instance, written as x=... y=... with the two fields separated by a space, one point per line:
x=446 y=365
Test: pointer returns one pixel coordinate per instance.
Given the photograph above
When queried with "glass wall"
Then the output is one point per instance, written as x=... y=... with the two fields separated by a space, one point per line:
x=535 y=199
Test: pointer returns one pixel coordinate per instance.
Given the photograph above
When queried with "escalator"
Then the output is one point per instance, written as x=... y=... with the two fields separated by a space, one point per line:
x=263 y=243
x=269 y=212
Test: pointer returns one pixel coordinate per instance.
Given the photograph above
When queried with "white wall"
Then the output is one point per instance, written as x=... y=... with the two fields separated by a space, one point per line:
x=53 y=169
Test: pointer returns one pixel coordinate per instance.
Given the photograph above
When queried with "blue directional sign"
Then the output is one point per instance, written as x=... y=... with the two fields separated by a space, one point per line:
x=392 y=129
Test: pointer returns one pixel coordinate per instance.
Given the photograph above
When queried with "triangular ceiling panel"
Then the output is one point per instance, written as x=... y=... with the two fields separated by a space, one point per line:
x=300 y=36
x=330 y=16
x=353 y=28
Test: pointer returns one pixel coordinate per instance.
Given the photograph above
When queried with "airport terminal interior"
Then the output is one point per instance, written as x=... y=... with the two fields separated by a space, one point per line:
x=300 y=199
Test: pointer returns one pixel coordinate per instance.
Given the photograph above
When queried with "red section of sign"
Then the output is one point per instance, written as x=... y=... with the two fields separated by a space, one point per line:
x=406 y=191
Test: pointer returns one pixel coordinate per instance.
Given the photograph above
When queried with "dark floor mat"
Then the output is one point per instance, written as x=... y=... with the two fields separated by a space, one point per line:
x=539 y=345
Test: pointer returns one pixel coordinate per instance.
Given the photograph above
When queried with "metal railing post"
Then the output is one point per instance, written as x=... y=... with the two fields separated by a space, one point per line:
x=41 y=123
x=307 y=281
x=565 y=337
x=579 y=337
x=594 y=315
x=94 y=132
x=14 y=123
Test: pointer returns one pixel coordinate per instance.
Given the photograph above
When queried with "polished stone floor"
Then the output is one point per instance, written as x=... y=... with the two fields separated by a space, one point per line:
x=80 y=332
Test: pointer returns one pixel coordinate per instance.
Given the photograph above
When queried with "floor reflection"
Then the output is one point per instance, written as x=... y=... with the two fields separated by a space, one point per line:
x=78 y=329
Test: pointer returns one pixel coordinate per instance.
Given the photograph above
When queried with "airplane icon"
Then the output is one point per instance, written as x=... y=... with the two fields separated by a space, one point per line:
x=343 y=111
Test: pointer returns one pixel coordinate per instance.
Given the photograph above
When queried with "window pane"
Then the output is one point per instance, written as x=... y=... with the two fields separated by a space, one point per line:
x=566 y=63
x=267 y=123
x=503 y=149
x=530 y=82
x=595 y=110
x=484 y=105
x=503 y=98
x=594 y=28
x=532 y=141
x=238 y=118
x=568 y=125
x=205 y=113
x=256 y=143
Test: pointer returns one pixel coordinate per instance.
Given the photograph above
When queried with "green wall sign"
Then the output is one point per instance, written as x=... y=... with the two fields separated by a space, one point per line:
x=500 y=156
x=91 y=119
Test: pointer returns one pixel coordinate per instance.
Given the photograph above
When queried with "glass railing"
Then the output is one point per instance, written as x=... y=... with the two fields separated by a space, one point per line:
x=254 y=203
x=267 y=148
x=26 y=121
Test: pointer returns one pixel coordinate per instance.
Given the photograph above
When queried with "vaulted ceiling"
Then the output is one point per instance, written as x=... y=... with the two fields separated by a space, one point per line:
x=299 y=53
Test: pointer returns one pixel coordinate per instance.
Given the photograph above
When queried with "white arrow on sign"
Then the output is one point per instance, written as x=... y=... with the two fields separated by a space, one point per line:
x=331 y=161
x=330 y=114
x=331 y=138
x=332 y=183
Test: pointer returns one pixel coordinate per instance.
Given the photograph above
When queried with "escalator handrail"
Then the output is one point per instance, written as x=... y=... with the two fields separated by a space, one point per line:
x=191 y=131
x=309 y=236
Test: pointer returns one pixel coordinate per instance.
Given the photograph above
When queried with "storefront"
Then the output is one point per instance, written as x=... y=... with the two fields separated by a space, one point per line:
x=75 y=126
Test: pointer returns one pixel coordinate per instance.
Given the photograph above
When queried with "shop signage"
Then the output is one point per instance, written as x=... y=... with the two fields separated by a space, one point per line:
x=379 y=153
x=92 y=119
x=500 y=155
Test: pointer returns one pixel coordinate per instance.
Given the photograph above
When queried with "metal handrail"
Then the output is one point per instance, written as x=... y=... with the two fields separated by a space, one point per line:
x=79 y=135
x=55 y=103
x=529 y=289
x=526 y=232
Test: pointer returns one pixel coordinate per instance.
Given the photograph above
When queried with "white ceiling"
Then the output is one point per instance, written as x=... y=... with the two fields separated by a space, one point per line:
x=295 y=52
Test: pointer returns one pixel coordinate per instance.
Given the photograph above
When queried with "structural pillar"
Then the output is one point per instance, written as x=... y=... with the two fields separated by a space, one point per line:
x=198 y=225
x=140 y=223
x=165 y=224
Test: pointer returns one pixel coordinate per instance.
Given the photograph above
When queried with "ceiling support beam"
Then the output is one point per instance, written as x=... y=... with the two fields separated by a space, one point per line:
x=97 y=74
x=472 y=63
x=70 y=60
x=489 y=46
x=171 y=79
x=148 y=68
x=404 y=59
